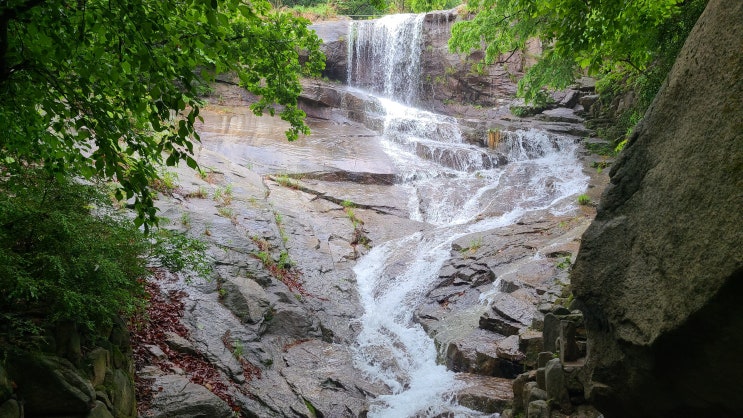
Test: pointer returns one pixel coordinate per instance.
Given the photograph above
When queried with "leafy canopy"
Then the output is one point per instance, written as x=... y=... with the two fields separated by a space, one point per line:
x=111 y=87
x=596 y=36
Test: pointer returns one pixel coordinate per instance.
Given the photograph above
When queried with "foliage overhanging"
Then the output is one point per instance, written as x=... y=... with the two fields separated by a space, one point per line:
x=578 y=36
x=110 y=88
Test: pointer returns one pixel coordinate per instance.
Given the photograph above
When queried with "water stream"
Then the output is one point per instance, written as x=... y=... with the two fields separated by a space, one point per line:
x=457 y=187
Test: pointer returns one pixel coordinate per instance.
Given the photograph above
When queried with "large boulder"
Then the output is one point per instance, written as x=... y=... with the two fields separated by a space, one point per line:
x=334 y=36
x=660 y=270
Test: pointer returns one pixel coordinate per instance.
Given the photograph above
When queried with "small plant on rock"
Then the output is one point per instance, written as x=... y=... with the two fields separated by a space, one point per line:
x=166 y=183
x=286 y=181
x=584 y=200
x=474 y=245
x=564 y=264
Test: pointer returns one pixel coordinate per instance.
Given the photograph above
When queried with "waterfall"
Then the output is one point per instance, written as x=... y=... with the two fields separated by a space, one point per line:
x=384 y=56
x=457 y=187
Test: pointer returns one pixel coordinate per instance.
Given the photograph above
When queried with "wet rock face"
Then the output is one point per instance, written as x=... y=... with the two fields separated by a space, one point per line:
x=263 y=231
x=483 y=314
x=178 y=397
x=450 y=77
x=334 y=35
x=660 y=268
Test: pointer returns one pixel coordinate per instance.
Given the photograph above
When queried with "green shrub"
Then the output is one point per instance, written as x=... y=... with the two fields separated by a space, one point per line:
x=65 y=254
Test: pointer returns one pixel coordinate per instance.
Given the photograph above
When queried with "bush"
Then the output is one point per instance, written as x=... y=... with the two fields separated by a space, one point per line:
x=65 y=254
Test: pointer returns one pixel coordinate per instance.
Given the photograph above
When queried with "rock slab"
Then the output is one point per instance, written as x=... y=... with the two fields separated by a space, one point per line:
x=660 y=268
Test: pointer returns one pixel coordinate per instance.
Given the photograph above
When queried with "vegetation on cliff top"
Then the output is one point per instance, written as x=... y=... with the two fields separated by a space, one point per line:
x=628 y=46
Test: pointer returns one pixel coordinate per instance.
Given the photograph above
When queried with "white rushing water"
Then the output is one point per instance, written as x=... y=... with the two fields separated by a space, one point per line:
x=384 y=55
x=457 y=187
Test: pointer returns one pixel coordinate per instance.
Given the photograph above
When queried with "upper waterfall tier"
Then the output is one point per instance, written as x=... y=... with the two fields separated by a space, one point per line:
x=384 y=56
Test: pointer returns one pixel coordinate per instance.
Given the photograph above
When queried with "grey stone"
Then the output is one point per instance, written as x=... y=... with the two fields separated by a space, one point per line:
x=509 y=315
x=537 y=394
x=483 y=393
x=540 y=378
x=560 y=114
x=544 y=357
x=322 y=374
x=560 y=310
x=571 y=99
x=293 y=321
x=660 y=273
x=180 y=344
x=588 y=101
x=508 y=348
x=176 y=397
x=480 y=352
x=531 y=343
x=538 y=409
x=519 y=392
x=568 y=347
x=551 y=332
x=156 y=351
x=245 y=298
x=554 y=379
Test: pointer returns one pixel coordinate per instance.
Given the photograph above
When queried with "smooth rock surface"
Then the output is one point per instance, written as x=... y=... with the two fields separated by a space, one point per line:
x=176 y=397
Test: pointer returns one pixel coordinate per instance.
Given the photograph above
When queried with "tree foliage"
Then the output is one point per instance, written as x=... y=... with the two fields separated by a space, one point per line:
x=361 y=8
x=420 y=6
x=67 y=254
x=111 y=87
x=59 y=261
x=594 y=36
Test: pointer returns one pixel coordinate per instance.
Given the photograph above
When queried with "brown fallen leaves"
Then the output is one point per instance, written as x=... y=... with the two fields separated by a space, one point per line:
x=163 y=315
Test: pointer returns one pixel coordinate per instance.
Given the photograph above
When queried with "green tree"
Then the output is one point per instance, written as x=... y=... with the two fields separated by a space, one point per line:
x=111 y=88
x=361 y=8
x=420 y=6
x=66 y=254
x=595 y=36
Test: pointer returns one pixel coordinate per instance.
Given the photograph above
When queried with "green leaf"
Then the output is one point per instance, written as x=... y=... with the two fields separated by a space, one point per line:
x=192 y=163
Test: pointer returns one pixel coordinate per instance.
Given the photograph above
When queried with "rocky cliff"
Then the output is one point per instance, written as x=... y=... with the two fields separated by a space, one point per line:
x=71 y=375
x=660 y=269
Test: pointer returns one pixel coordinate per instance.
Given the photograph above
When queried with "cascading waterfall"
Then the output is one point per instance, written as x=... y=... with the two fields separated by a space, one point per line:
x=383 y=56
x=457 y=187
